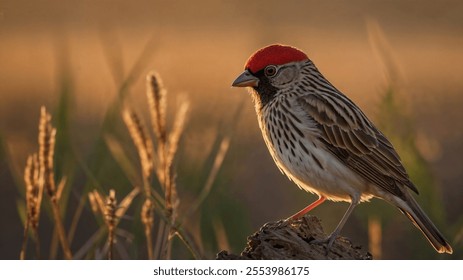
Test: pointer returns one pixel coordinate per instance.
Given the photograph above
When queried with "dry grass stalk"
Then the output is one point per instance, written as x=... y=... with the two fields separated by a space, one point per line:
x=47 y=136
x=167 y=142
x=167 y=146
x=223 y=149
x=177 y=130
x=221 y=235
x=375 y=237
x=176 y=133
x=110 y=219
x=157 y=103
x=156 y=95
x=107 y=207
x=219 y=158
x=167 y=177
x=161 y=161
x=147 y=218
x=33 y=202
x=171 y=198
x=144 y=145
x=22 y=254
x=142 y=142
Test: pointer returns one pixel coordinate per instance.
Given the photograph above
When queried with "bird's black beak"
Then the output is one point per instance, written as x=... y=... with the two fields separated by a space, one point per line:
x=246 y=79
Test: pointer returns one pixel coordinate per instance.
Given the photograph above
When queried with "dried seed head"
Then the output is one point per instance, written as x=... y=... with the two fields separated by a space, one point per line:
x=33 y=190
x=142 y=141
x=31 y=174
x=157 y=105
x=110 y=209
x=147 y=213
x=177 y=130
x=47 y=136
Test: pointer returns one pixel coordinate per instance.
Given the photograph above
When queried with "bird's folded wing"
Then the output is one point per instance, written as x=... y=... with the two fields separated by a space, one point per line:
x=352 y=138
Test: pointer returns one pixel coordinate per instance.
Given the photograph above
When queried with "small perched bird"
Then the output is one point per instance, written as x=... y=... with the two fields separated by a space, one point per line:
x=323 y=142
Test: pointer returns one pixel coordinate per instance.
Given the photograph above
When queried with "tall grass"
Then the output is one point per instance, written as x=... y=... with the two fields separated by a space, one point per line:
x=111 y=212
x=39 y=177
x=159 y=162
x=34 y=191
x=118 y=226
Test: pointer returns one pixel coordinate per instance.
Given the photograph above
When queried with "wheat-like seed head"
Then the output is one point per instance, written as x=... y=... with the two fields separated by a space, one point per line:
x=147 y=213
x=47 y=136
x=33 y=190
x=177 y=130
x=172 y=200
x=142 y=141
x=156 y=95
x=110 y=209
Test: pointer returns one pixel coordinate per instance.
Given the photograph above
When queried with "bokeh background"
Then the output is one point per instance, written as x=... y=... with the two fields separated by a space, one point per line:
x=74 y=56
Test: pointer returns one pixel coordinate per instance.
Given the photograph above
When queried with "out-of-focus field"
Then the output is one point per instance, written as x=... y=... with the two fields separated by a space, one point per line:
x=199 y=47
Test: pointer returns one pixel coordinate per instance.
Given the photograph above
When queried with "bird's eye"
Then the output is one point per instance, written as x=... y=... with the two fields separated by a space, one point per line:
x=270 y=71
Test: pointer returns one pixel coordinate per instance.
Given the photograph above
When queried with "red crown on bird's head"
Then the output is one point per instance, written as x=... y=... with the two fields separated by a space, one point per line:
x=275 y=55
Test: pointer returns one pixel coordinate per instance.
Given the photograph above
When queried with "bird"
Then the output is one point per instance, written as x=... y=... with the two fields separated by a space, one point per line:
x=323 y=142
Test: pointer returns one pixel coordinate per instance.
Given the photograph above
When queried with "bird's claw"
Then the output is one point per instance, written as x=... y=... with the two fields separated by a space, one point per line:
x=329 y=239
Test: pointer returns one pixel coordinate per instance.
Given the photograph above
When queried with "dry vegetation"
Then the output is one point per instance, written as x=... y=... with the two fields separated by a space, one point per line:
x=156 y=159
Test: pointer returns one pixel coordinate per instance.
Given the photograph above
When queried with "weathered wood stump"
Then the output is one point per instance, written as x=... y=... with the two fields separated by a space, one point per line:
x=291 y=240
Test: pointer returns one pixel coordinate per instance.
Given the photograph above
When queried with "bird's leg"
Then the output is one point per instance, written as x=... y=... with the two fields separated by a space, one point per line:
x=314 y=204
x=330 y=239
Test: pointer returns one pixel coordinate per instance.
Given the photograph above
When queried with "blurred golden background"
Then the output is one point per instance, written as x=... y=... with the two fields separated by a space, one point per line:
x=80 y=53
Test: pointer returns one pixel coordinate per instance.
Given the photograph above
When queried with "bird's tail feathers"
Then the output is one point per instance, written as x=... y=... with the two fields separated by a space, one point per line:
x=423 y=223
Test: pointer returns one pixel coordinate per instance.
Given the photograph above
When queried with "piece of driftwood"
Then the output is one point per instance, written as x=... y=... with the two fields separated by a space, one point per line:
x=292 y=240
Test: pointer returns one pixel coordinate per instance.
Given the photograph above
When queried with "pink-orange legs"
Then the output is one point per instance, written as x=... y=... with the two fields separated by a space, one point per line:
x=301 y=213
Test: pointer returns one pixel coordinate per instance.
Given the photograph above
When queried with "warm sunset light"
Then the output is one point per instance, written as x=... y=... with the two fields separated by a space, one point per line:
x=121 y=136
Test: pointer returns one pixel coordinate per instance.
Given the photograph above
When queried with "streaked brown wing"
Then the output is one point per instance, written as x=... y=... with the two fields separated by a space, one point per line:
x=351 y=137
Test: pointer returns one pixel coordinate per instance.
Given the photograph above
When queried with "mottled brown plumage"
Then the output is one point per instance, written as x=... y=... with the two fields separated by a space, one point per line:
x=323 y=142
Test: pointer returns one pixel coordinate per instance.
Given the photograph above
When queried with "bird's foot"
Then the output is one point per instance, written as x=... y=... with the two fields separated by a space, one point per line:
x=329 y=240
